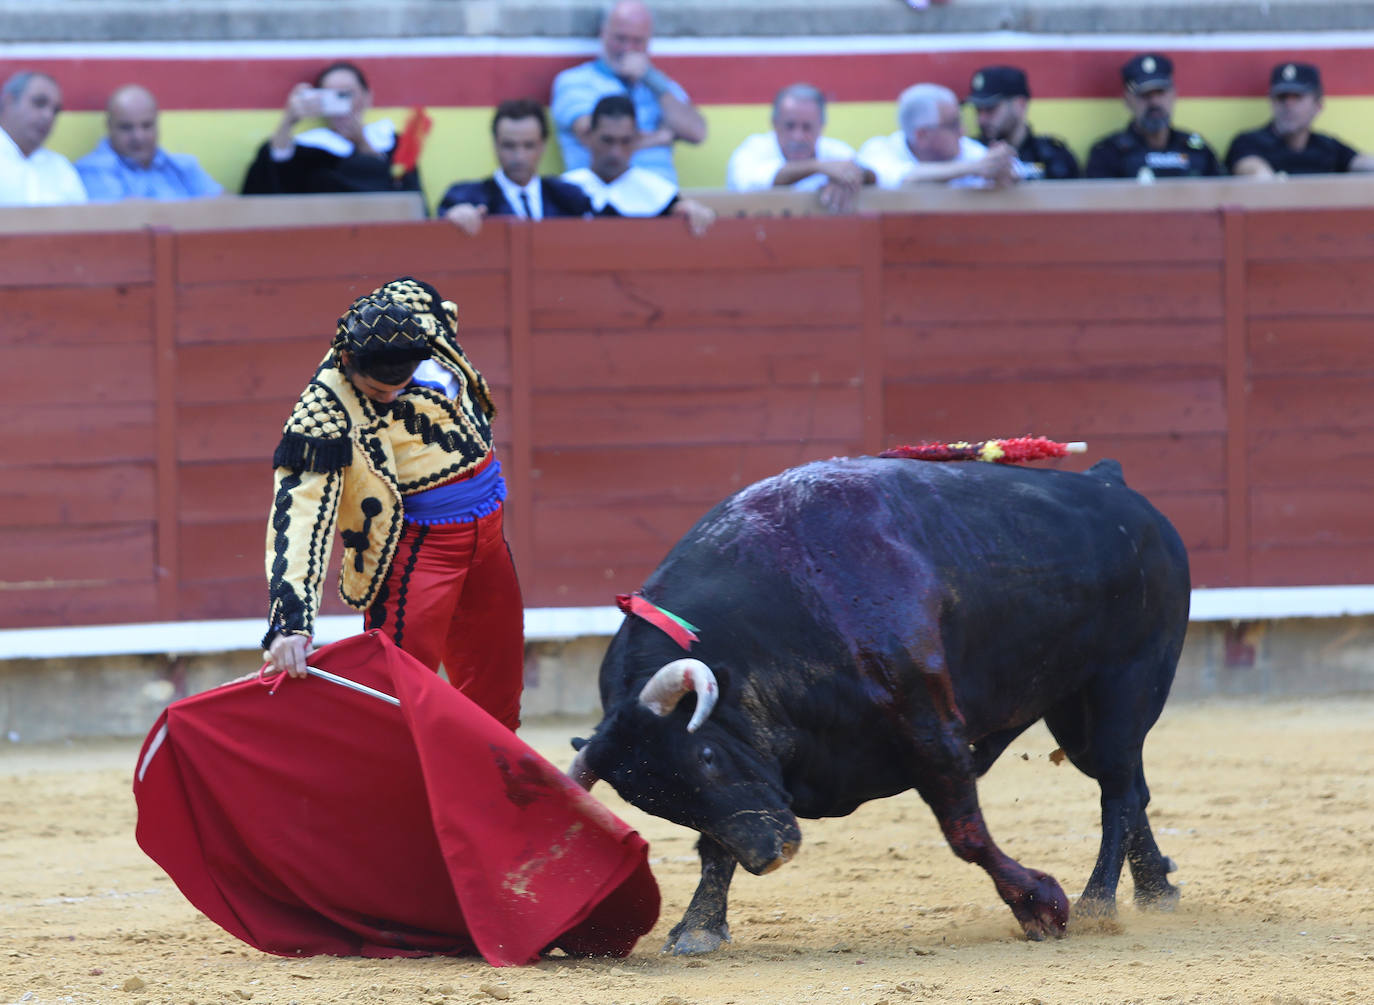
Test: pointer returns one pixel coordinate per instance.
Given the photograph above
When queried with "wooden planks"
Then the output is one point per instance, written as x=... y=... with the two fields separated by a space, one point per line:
x=656 y=373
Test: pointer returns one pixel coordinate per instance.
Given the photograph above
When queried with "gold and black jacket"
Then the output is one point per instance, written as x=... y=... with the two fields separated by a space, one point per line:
x=344 y=462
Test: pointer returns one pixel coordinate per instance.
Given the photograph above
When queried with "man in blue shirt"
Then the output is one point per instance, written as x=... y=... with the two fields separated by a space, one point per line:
x=127 y=163
x=663 y=112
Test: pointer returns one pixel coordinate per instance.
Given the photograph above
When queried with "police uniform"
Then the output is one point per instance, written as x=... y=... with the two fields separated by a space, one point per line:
x=1126 y=154
x=1123 y=154
x=1043 y=156
x=1047 y=157
x=1321 y=154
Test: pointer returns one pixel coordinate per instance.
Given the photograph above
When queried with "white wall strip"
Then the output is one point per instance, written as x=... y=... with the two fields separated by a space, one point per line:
x=553 y=623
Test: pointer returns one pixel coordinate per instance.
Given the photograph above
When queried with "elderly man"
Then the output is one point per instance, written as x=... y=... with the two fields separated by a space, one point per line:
x=796 y=155
x=30 y=173
x=663 y=112
x=1288 y=144
x=1149 y=147
x=1000 y=96
x=931 y=146
x=519 y=131
x=128 y=164
x=619 y=188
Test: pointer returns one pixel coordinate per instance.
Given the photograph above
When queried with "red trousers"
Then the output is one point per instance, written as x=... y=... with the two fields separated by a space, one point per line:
x=451 y=597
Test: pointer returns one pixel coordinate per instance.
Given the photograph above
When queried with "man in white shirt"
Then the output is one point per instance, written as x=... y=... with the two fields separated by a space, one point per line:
x=796 y=155
x=931 y=146
x=30 y=173
x=618 y=188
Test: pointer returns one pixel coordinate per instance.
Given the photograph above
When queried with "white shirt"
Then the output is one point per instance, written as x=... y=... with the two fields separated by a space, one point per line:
x=757 y=160
x=891 y=160
x=533 y=191
x=44 y=178
x=637 y=192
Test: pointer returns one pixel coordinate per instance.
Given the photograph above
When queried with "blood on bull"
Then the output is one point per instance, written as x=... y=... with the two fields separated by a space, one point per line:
x=862 y=627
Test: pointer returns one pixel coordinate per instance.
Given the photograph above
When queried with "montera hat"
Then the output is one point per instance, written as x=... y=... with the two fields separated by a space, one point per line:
x=395 y=323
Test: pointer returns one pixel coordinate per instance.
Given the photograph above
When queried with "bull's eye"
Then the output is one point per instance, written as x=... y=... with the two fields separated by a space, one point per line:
x=708 y=757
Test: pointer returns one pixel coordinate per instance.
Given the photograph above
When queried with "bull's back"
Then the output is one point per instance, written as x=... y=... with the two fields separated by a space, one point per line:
x=1028 y=579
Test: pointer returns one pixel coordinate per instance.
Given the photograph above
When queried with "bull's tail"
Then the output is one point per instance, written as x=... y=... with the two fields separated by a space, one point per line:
x=1018 y=450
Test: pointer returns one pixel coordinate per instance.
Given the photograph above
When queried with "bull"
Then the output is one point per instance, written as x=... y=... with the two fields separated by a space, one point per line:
x=872 y=625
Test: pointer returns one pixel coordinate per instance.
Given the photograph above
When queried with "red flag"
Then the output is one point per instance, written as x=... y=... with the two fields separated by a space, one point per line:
x=411 y=142
x=314 y=818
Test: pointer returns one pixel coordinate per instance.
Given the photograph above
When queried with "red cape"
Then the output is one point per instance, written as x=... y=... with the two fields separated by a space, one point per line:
x=318 y=819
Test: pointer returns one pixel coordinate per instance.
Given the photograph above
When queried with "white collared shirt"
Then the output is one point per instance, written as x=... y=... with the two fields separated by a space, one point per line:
x=44 y=178
x=533 y=191
x=756 y=162
x=637 y=192
x=891 y=160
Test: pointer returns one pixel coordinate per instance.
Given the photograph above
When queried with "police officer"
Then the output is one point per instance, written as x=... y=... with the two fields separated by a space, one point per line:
x=1287 y=145
x=1149 y=147
x=999 y=95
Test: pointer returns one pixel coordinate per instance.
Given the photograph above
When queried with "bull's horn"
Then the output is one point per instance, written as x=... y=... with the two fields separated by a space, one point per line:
x=580 y=772
x=667 y=686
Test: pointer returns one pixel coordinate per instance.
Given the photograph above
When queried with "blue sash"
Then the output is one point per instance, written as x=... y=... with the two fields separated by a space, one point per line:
x=460 y=501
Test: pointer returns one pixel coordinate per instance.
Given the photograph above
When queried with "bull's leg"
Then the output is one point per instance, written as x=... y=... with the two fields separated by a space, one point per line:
x=703 y=928
x=945 y=780
x=1150 y=867
x=1106 y=745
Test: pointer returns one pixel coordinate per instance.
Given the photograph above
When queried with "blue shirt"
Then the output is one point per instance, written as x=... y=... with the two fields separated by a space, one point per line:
x=575 y=93
x=108 y=177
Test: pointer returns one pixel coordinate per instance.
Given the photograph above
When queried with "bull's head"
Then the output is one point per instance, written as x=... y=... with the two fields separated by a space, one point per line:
x=714 y=784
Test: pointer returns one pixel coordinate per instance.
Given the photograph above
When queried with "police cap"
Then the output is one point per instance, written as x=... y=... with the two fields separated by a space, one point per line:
x=1295 y=78
x=1150 y=71
x=992 y=84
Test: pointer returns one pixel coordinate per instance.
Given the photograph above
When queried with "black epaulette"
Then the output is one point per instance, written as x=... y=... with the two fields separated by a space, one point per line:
x=315 y=437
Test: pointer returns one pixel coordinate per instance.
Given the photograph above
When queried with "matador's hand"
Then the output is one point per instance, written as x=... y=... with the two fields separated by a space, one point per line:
x=288 y=652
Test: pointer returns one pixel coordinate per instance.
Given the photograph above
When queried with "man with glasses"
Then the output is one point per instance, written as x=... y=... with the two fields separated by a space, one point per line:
x=931 y=146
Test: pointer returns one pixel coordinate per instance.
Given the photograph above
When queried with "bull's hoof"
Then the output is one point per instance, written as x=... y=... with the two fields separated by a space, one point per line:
x=1044 y=913
x=696 y=941
x=1094 y=908
x=1164 y=898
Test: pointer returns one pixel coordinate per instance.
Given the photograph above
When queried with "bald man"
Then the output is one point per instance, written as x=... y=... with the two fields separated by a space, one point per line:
x=128 y=164
x=664 y=115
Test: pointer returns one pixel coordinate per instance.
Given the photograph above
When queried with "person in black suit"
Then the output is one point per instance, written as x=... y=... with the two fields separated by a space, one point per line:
x=520 y=131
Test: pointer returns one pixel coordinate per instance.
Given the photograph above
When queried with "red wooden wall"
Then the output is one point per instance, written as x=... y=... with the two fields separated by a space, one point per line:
x=1223 y=356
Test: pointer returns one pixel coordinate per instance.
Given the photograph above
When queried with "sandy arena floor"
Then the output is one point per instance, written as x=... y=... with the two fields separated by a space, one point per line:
x=1267 y=807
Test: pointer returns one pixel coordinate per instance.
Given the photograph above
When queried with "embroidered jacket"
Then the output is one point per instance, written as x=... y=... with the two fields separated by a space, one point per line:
x=345 y=462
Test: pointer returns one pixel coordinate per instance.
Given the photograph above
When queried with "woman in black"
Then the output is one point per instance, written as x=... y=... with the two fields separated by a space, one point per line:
x=343 y=155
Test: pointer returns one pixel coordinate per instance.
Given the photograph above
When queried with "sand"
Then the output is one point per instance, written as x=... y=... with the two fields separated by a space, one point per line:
x=1267 y=807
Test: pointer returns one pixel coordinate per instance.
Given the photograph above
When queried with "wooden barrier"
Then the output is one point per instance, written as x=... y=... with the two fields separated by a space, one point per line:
x=1221 y=354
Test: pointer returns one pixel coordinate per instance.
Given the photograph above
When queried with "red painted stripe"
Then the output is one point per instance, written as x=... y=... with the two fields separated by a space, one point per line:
x=482 y=81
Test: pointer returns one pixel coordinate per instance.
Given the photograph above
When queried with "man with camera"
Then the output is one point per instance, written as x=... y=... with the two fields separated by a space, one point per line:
x=343 y=155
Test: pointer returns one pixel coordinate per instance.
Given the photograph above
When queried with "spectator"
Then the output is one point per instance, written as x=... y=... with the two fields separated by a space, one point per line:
x=1000 y=95
x=663 y=112
x=520 y=132
x=795 y=154
x=1149 y=147
x=343 y=155
x=30 y=173
x=931 y=146
x=390 y=446
x=619 y=188
x=1287 y=145
x=128 y=164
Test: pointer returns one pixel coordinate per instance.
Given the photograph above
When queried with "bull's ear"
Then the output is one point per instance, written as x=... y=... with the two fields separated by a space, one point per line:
x=578 y=742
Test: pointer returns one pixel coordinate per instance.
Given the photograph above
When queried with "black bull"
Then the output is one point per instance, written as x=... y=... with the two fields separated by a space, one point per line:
x=875 y=625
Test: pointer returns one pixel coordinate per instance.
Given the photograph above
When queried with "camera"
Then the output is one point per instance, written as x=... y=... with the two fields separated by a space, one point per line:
x=330 y=102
